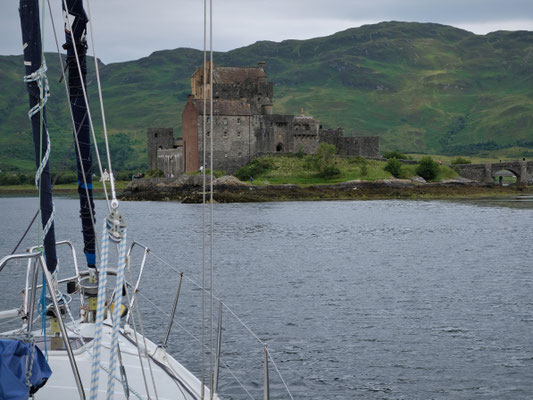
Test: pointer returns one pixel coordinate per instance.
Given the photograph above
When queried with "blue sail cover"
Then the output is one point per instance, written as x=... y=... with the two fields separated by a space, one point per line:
x=31 y=39
x=13 y=356
x=75 y=32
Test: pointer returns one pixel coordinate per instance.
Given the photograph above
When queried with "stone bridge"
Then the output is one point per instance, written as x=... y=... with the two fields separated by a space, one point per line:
x=523 y=170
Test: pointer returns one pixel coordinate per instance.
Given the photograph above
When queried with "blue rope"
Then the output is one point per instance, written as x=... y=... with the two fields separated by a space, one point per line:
x=42 y=312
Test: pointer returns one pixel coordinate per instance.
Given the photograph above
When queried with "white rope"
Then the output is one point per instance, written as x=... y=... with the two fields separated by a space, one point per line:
x=84 y=345
x=116 y=315
x=100 y=308
x=39 y=76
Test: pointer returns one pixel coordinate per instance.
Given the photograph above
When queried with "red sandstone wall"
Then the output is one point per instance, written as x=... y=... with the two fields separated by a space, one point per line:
x=189 y=129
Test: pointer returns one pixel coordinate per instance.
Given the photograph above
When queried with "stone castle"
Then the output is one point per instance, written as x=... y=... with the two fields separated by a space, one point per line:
x=244 y=126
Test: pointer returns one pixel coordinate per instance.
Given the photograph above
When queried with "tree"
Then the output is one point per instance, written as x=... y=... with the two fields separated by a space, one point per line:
x=324 y=161
x=427 y=168
x=394 y=167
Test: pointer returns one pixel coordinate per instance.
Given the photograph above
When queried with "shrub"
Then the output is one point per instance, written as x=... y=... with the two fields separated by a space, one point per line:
x=308 y=162
x=254 y=169
x=27 y=179
x=427 y=168
x=357 y=160
x=394 y=167
x=125 y=175
x=363 y=169
x=154 y=173
x=66 y=177
x=300 y=153
x=324 y=156
x=394 y=154
x=330 y=171
x=9 y=179
x=460 y=160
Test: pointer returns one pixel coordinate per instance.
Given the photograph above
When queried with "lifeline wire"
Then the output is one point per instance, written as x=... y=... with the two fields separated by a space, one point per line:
x=76 y=131
x=204 y=89
x=114 y=201
x=211 y=206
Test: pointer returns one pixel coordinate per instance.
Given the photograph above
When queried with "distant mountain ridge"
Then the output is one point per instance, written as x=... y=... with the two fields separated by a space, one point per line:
x=420 y=86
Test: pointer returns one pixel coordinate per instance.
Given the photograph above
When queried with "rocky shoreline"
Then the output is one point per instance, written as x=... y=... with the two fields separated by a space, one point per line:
x=228 y=189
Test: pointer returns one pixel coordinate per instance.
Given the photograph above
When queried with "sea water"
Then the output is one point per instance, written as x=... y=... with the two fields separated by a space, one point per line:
x=356 y=299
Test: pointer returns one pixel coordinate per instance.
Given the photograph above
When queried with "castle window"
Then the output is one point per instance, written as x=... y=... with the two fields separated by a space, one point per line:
x=155 y=134
x=259 y=99
x=238 y=120
x=238 y=133
x=208 y=133
x=225 y=121
x=279 y=147
x=225 y=133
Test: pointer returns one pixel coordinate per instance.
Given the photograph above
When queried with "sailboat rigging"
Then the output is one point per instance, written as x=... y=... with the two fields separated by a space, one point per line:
x=66 y=357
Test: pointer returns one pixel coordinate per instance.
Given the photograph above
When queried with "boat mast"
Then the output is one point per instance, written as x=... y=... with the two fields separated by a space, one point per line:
x=37 y=87
x=76 y=83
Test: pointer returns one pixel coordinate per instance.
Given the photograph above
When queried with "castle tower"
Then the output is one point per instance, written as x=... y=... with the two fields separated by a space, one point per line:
x=158 y=138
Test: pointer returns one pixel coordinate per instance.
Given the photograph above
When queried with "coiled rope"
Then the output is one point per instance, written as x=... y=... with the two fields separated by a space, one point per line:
x=39 y=76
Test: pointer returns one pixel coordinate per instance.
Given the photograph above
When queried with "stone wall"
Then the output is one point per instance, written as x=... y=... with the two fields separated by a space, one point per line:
x=233 y=144
x=523 y=170
x=272 y=133
x=158 y=138
x=363 y=146
x=307 y=143
x=170 y=161
x=257 y=94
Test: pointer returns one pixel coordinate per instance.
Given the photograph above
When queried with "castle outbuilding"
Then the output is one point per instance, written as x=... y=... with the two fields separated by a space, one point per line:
x=244 y=126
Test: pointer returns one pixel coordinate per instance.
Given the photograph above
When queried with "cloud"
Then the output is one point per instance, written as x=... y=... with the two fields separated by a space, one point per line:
x=126 y=30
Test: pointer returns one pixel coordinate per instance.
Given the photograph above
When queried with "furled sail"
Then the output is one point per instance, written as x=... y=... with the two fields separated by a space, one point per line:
x=37 y=86
x=75 y=34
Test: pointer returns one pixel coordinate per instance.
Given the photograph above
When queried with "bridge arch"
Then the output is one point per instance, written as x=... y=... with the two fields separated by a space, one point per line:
x=498 y=168
x=523 y=170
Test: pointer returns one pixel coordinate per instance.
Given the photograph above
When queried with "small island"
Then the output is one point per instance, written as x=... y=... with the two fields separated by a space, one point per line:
x=325 y=176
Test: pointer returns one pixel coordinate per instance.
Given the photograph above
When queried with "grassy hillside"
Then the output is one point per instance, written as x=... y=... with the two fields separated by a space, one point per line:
x=420 y=87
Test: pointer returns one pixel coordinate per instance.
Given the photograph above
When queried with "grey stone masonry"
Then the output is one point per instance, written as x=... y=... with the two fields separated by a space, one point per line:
x=523 y=170
x=158 y=138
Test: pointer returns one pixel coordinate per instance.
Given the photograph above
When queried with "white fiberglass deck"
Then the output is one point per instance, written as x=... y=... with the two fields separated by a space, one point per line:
x=172 y=380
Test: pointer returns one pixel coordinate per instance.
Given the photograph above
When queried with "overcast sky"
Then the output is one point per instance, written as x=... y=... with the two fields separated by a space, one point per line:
x=131 y=29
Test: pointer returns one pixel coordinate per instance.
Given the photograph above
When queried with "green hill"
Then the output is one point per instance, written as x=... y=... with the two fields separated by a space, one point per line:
x=420 y=87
